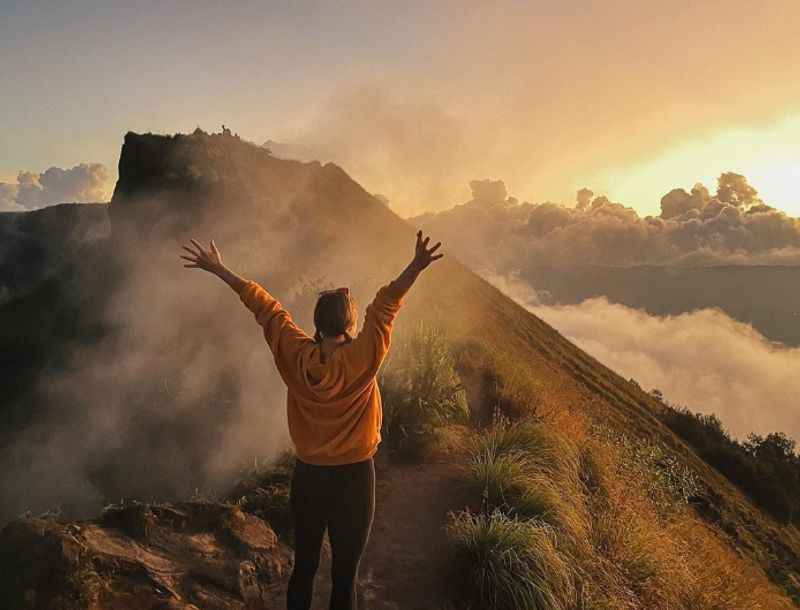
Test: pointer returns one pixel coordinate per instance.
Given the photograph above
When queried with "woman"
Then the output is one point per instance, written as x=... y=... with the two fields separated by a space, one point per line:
x=334 y=413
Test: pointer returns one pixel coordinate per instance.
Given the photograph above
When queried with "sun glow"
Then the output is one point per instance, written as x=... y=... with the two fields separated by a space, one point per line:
x=768 y=156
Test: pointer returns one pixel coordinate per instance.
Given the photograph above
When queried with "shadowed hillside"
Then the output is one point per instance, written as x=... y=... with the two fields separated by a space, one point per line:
x=176 y=393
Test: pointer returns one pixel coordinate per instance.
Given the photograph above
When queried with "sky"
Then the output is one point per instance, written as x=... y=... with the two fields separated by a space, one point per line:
x=416 y=99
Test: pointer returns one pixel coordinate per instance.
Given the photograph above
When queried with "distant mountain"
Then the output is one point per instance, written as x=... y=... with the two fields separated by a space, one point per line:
x=35 y=245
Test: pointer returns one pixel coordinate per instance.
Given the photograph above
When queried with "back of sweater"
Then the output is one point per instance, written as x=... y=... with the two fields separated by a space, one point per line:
x=333 y=408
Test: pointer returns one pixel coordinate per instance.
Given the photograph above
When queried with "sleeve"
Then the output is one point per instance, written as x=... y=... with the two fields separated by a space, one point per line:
x=367 y=351
x=283 y=336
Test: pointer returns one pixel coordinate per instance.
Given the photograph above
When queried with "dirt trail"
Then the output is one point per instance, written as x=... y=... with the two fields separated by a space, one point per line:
x=404 y=566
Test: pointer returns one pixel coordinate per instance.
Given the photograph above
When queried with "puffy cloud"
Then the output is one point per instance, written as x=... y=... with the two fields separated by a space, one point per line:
x=584 y=198
x=734 y=189
x=694 y=228
x=489 y=191
x=678 y=202
x=87 y=182
x=8 y=198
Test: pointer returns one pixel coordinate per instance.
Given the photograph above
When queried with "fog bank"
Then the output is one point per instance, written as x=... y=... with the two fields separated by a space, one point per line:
x=703 y=360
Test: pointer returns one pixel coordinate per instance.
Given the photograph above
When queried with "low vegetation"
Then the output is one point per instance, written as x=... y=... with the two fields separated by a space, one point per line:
x=526 y=471
x=421 y=391
x=506 y=563
x=608 y=515
x=504 y=387
x=767 y=468
x=263 y=491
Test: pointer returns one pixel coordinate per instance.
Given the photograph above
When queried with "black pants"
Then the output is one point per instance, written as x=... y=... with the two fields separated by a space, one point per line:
x=341 y=498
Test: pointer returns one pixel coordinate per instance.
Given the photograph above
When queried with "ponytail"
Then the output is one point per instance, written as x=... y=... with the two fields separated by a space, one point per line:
x=318 y=337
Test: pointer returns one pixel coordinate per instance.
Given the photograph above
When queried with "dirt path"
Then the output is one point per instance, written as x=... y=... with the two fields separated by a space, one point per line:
x=404 y=567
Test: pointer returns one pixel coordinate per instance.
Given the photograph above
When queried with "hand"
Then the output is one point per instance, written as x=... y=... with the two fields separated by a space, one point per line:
x=200 y=258
x=424 y=256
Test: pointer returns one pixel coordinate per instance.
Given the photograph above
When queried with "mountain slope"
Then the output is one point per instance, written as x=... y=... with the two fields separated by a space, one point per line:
x=179 y=389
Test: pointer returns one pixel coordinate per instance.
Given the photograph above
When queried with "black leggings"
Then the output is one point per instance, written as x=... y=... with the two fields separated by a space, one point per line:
x=342 y=498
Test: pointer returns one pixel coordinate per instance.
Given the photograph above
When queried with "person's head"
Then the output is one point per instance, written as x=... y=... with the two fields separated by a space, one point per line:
x=335 y=314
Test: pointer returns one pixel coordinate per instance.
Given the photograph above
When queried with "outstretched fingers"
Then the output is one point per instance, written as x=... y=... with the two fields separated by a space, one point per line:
x=193 y=255
x=201 y=250
x=435 y=247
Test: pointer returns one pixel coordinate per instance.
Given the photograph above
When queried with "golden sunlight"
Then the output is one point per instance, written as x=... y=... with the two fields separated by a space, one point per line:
x=768 y=156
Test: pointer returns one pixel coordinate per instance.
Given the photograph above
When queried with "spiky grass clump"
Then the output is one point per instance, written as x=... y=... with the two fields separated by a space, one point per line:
x=499 y=479
x=546 y=450
x=527 y=470
x=505 y=563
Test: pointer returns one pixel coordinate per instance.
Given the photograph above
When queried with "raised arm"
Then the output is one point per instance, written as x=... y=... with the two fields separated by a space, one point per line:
x=369 y=348
x=211 y=260
x=423 y=256
x=280 y=331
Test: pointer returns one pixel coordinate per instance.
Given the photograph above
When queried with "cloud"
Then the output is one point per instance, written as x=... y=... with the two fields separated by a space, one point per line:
x=703 y=360
x=732 y=226
x=87 y=182
x=8 y=198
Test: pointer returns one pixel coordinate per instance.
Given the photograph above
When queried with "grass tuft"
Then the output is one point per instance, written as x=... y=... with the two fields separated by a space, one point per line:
x=506 y=563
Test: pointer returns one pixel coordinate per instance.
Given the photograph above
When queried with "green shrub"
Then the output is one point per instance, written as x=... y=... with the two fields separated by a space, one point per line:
x=504 y=563
x=766 y=468
x=421 y=391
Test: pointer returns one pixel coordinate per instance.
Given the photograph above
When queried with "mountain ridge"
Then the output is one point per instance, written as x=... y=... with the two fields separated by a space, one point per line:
x=280 y=221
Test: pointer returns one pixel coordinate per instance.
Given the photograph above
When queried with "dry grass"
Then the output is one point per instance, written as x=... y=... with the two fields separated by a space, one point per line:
x=662 y=560
x=505 y=563
x=619 y=513
x=625 y=545
x=507 y=385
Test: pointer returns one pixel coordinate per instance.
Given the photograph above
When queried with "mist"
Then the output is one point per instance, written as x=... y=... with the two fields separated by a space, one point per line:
x=175 y=398
x=703 y=360
x=168 y=388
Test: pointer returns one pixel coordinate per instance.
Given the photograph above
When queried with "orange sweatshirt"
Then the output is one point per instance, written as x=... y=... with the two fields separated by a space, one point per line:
x=333 y=408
